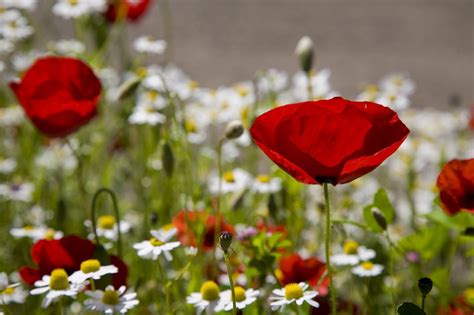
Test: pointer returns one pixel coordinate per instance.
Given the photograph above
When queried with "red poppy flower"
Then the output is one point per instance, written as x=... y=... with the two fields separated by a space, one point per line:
x=58 y=94
x=295 y=269
x=333 y=141
x=187 y=221
x=456 y=186
x=66 y=253
x=132 y=9
x=271 y=229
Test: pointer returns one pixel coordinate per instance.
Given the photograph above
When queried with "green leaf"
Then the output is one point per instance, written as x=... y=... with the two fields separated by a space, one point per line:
x=460 y=221
x=408 y=308
x=370 y=220
x=428 y=242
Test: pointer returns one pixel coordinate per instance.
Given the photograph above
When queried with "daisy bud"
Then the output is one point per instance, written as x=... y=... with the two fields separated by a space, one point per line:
x=167 y=159
x=225 y=240
x=380 y=218
x=425 y=285
x=305 y=51
x=234 y=129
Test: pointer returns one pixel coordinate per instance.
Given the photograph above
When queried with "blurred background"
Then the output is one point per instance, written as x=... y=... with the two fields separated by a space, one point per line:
x=219 y=42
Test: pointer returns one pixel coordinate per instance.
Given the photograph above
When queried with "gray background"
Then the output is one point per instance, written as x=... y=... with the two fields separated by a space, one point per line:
x=223 y=41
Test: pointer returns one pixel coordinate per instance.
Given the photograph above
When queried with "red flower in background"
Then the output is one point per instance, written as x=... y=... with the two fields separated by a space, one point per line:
x=131 y=9
x=295 y=269
x=58 y=94
x=186 y=223
x=456 y=186
x=333 y=141
x=66 y=253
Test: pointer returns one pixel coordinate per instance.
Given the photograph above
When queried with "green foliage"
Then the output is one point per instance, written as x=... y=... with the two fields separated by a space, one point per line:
x=383 y=204
x=408 y=308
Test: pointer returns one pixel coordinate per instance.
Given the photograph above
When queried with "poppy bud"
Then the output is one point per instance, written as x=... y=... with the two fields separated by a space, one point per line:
x=425 y=285
x=379 y=218
x=234 y=129
x=225 y=240
x=305 y=51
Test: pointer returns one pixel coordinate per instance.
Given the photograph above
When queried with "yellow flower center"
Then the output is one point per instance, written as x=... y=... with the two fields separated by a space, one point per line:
x=241 y=90
x=193 y=85
x=152 y=95
x=110 y=297
x=106 y=222
x=28 y=228
x=367 y=265
x=229 y=177
x=209 y=291
x=469 y=296
x=190 y=126
x=155 y=242
x=49 y=235
x=73 y=2
x=293 y=291
x=58 y=280
x=142 y=72
x=350 y=247
x=244 y=114
x=263 y=178
x=168 y=227
x=240 y=294
x=8 y=290
x=372 y=89
x=392 y=98
x=90 y=265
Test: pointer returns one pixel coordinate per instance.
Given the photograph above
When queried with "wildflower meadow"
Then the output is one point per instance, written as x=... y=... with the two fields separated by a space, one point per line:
x=128 y=187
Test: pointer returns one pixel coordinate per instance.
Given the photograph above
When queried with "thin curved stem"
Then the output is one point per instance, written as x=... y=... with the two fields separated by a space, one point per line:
x=117 y=217
x=332 y=289
x=392 y=283
x=219 y=198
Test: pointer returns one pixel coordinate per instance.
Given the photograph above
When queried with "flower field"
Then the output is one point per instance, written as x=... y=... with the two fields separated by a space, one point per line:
x=128 y=187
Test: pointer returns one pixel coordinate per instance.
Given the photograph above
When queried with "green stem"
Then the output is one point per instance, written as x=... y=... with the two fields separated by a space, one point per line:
x=423 y=298
x=117 y=217
x=309 y=86
x=354 y=223
x=392 y=283
x=219 y=199
x=167 y=19
x=92 y=284
x=297 y=309
x=164 y=279
x=231 y=282
x=332 y=289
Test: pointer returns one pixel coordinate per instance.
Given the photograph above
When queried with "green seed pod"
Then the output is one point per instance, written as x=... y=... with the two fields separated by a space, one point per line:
x=167 y=159
x=128 y=88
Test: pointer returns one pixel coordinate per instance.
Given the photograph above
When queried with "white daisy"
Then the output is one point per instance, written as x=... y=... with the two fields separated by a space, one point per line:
x=146 y=115
x=157 y=245
x=231 y=181
x=91 y=269
x=36 y=233
x=107 y=227
x=11 y=116
x=396 y=101
x=397 y=83
x=208 y=298
x=272 y=80
x=57 y=156
x=11 y=293
x=370 y=93
x=243 y=298
x=14 y=26
x=293 y=292
x=71 y=8
x=6 y=46
x=151 y=98
x=367 y=269
x=68 y=47
x=149 y=45
x=263 y=184
x=17 y=191
x=111 y=300
x=352 y=254
x=7 y=165
x=56 y=285
x=19 y=4
x=319 y=81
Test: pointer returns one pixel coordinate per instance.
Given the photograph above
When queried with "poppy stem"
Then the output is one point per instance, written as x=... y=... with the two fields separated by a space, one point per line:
x=117 y=217
x=217 y=227
x=231 y=283
x=309 y=86
x=332 y=289
x=392 y=282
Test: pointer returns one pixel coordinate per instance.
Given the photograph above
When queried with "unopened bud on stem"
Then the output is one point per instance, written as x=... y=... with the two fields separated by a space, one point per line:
x=234 y=129
x=225 y=240
x=305 y=51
